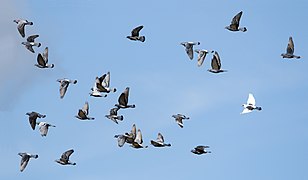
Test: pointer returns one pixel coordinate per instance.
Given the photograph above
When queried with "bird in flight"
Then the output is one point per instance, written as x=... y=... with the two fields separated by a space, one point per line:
x=235 y=23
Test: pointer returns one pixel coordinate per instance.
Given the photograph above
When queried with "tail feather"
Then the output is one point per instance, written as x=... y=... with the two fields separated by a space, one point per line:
x=141 y=38
x=120 y=118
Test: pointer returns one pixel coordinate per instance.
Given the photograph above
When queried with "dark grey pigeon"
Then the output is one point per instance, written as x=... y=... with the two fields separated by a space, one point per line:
x=32 y=118
x=44 y=126
x=123 y=100
x=159 y=141
x=135 y=35
x=216 y=64
x=113 y=115
x=189 y=48
x=64 y=85
x=25 y=157
x=235 y=23
x=83 y=113
x=179 y=119
x=64 y=160
x=21 y=23
x=200 y=150
x=290 y=50
x=42 y=60
x=30 y=43
x=201 y=56
x=138 y=141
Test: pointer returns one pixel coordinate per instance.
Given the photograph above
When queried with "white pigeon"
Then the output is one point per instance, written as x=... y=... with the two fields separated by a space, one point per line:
x=189 y=48
x=30 y=43
x=42 y=60
x=201 y=55
x=251 y=105
x=21 y=26
x=44 y=126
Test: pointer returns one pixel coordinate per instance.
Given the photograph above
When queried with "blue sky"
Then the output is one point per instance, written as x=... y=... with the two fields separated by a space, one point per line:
x=86 y=38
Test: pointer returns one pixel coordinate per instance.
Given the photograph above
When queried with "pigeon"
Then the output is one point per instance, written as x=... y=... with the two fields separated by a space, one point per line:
x=103 y=82
x=32 y=118
x=127 y=137
x=200 y=150
x=179 y=119
x=135 y=35
x=21 y=26
x=113 y=115
x=201 y=56
x=83 y=113
x=30 y=43
x=251 y=105
x=64 y=85
x=189 y=48
x=235 y=23
x=138 y=141
x=216 y=64
x=42 y=60
x=25 y=157
x=123 y=100
x=159 y=141
x=44 y=126
x=95 y=92
x=290 y=50
x=64 y=160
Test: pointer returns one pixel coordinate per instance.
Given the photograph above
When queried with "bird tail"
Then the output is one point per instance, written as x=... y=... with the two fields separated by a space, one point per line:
x=34 y=156
x=244 y=29
x=75 y=81
x=259 y=108
x=29 y=23
x=141 y=38
x=120 y=118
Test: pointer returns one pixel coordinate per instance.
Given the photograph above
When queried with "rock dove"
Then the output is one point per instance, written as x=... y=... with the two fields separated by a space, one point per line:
x=123 y=100
x=21 y=26
x=138 y=141
x=290 y=50
x=64 y=85
x=135 y=35
x=200 y=150
x=216 y=64
x=103 y=83
x=189 y=48
x=235 y=23
x=159 y=141
x=179 y=119
x=64 y=160
x=42 y=60
x=44 y=126
x=201 y=56
x=113 y=115
x=32 y=118
x=95 y=92
x=251 y=105
x=83 y=113
x=127 y=137
x=30 y=43
x=25 y=157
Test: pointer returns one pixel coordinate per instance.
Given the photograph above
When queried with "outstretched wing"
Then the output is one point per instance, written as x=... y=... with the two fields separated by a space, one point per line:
x=135 y=31
x=160 y=138
x=45 y=55
x=290 y=47
x=65 y=156
x=236 y=20
x=32 y=38
x=251 y=100
x=85 y=108
x=40 y=60
x=138 y=138
x=106 y=80
x=63 y=88
x=21 y=29
x=216 y=61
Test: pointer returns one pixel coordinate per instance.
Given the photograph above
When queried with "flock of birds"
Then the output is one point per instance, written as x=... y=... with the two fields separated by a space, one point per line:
x=102 y=87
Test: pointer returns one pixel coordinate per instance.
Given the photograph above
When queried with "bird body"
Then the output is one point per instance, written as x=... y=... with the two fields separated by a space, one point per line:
x=64 y=83
x=64 y=160
x=201 y=55
x=32 y=118
x=113 y=115
x=123 y=100
x=25 y=157
x=135 y=35
x=138 y=141
x=44 y=126
x=200 y=150
x=83 y=113
x=290 y=50
x=21 y=23
x=235 y=23
x=159 y=141
x=216 y=64
x=179 y=119
x=42 y=60
x=189 y=48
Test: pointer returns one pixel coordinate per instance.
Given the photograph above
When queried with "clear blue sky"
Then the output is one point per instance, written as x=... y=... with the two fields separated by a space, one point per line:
x=87 y=38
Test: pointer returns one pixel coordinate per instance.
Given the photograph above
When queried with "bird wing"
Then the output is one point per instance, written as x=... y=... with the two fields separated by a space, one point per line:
x=43 y=129
x=160 y=138
x=45 y=55
x=99 y=82
x=106 y=80
x=82 y=114
x=85 y=108
x=63 y=88
x=65 y=156
x=21 y=29
x=290 y=47
x=189 y=51
x=30 y=48
x=201 y=57
x=24 y=161
x=216 y=61
x=40 y=60
x=236 y=20
x=135 y=31
x=200 y=148
x=31 y=38
x=179 y=120
x=133 y=131
x=32 y=120
x=138 y=138
x=123 y=99
x=251 y=100
x=245 y=111
x=121 y=140
x=114 y=111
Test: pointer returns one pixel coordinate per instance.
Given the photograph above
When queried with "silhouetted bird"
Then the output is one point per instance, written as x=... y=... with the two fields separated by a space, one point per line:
x=235 y=23
x=179 y=119
x=83 y=113
x=135 y=35
x=290 y=50
x=123 y=100
x=200 y=150
x=32 y=118
x=216 y=64
x=159 y=141
x=42 y=60
x=30 y=43
x=64 y=160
